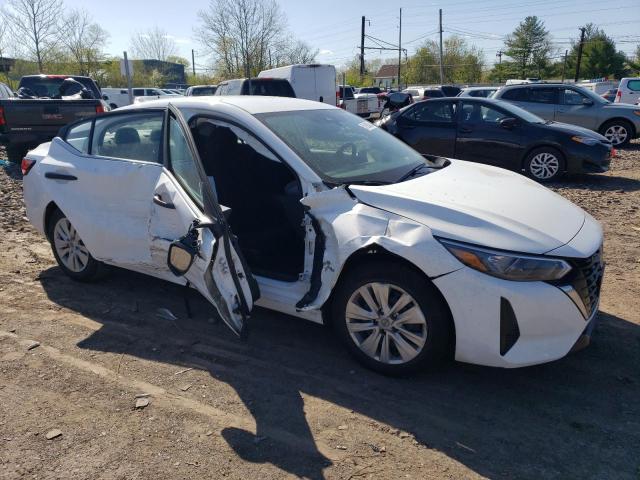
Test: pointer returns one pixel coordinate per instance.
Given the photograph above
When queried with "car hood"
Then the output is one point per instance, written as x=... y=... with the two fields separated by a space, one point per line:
x=575 y=130
x=482 y=205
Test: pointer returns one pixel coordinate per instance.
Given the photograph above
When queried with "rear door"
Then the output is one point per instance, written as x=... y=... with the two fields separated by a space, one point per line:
x=630 y=90
x=429 y=127
x=542 y=101
x=183 y=203
x=481 y=138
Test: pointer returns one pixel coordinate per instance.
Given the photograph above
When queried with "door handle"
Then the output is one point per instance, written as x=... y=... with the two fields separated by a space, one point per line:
x=157 y=199
x=59 y=176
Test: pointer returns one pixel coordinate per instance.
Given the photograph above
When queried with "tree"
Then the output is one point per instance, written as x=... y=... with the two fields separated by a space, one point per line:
x=242 y=34
x=85 y=41
x=462 y=63
x=36 y=24
x=599 y=55
x=153 y=44
x=530 y=47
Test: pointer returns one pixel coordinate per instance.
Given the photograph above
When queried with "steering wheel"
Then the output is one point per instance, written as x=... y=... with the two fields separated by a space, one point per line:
x=341 y=150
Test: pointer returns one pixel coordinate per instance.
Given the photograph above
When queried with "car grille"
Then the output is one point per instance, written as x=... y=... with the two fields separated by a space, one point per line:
x=587 y=279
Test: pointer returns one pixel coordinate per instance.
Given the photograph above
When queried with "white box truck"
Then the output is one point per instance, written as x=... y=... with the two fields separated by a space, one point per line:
x=311 y=82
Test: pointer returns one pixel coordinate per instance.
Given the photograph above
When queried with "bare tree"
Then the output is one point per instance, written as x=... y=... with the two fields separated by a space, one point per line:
x=85 y=40
x=36 y=24
x=154 y=44
x=241 y=34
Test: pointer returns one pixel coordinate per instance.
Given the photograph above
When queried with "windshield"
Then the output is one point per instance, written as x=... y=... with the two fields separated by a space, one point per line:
x=520 y=112
x=203 y=91
x=46 y=86
x=343 y=148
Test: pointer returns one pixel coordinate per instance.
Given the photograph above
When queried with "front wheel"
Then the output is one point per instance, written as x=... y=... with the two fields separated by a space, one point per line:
x=618 y=132
x=544 y=164
x=391 y=319
x=70 y=252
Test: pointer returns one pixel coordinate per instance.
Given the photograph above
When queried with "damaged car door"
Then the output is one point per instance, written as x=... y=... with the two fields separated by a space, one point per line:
x=189 y=235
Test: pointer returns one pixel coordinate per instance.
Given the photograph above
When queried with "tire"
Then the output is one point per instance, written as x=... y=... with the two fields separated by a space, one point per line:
x=16 y=154
x=544 y=164
x=619 y=132
x=77 y=264
x=431 y=320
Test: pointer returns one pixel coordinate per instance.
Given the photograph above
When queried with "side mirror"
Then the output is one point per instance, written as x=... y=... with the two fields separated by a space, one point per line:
x=181 y=256
x=587 y=102
x=105 y=97
x=508 y=123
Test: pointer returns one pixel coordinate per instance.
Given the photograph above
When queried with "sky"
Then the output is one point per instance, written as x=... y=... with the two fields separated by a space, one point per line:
x=333 y=26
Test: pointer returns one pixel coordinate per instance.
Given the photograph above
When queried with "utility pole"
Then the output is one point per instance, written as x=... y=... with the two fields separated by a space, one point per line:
x=564 y=65
x=399 y=49
x=441 y=61
x=499 y=55
x=579 y=54
x=193 y=63
x=362 y=50
x=128 y=75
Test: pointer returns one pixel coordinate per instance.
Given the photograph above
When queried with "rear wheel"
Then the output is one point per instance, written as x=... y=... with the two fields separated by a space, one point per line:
x=618 y=132
x=70 y=252
x=391 y=319
x=544 y=164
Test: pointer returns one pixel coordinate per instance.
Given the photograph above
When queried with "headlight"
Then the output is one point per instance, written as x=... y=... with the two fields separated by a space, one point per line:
x=585 y=140
x=508 y=266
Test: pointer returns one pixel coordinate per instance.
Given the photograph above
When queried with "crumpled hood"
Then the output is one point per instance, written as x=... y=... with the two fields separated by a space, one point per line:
x=483 y=205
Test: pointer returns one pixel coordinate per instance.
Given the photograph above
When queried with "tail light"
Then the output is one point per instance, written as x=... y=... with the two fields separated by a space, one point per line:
x=2 y=120
x=26 y=165
x=618 y=96
x=343 y=106
x=614 y=153
x=99 y=109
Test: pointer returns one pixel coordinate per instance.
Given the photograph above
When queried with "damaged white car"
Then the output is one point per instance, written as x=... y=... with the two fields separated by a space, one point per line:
x=305 y=209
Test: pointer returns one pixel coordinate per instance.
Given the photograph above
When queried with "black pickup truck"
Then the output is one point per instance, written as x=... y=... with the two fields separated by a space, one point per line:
x=44 y=105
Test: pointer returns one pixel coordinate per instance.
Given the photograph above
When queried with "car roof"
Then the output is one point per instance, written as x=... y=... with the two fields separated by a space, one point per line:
x=480 y=88
x=252 y=104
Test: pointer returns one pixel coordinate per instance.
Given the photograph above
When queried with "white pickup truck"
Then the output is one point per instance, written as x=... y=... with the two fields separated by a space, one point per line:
x=365 y=105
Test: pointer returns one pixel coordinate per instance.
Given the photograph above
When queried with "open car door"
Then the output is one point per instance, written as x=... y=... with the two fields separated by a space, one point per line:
x=207 y=255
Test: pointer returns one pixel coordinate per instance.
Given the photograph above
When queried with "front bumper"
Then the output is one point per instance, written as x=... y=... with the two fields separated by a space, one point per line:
x=588 y=158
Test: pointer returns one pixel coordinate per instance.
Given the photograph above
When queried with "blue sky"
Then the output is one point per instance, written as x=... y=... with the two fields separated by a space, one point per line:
x=333 y=26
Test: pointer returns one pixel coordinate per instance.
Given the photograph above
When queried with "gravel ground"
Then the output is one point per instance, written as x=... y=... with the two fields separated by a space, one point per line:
x=289 y=403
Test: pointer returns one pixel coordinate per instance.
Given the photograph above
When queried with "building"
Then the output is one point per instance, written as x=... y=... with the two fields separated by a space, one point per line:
x=387 y=76
x=7 y=64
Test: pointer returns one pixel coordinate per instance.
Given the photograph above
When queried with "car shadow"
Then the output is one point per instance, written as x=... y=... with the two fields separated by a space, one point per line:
x=574 y=418
x=596 y=182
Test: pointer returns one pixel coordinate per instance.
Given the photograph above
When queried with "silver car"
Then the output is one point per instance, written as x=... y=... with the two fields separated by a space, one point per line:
x=578 y=106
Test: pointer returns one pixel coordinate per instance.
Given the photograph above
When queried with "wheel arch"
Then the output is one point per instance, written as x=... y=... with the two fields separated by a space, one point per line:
x=377 y=253
x=634 y=132
x=48 y=213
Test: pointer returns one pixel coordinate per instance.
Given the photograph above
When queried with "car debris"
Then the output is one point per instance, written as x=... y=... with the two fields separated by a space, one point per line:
x=142 y=402
x=51 y=434
x=33 y=344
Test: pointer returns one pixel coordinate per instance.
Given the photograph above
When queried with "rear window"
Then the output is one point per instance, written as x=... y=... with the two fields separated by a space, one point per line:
x=50 y=86
x=135 y=136
x=272 y=88
x=345 y=93
x=198 y=92
x=433 y=93
x=543 y=95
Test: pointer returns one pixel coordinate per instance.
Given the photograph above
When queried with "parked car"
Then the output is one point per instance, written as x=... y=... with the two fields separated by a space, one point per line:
x=610 y=95
x=578 y=106
x=423 y=93
x=366 y=105
x=373 y=90
x=273 y=87
x=5 y=91
x=500 y=134
x=119 y=97
x=481 y=92
x=628 y=90
x=450 y=90
x=200 y=90
x=336 y=222
x=27 y=122
x=313 y=82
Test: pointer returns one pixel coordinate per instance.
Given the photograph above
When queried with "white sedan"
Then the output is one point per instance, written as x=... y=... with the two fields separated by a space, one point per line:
x=303 y=208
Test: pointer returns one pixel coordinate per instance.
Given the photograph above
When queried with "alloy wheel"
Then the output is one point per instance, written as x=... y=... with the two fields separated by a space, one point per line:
x=69 y=246
x=386 y=323
x=544 y=165
x=616 y=134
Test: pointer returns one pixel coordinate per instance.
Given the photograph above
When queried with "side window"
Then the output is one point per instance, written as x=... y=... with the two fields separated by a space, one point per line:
x=634 y=85
x=182 y=163
x=78 y=136
x=475 y=113
x=123 y=92
x=516 y=95
x=131 y=136
x=571 y=97
x=543 y=95
x=433 y=112
x=138 y=92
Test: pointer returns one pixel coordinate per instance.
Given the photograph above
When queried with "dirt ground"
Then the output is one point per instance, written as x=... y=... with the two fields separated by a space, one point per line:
x=289 y=402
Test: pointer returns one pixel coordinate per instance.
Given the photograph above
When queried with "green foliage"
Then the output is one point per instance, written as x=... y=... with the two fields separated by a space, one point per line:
x=462 y=63
x=599 y=56
x=529 y=47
